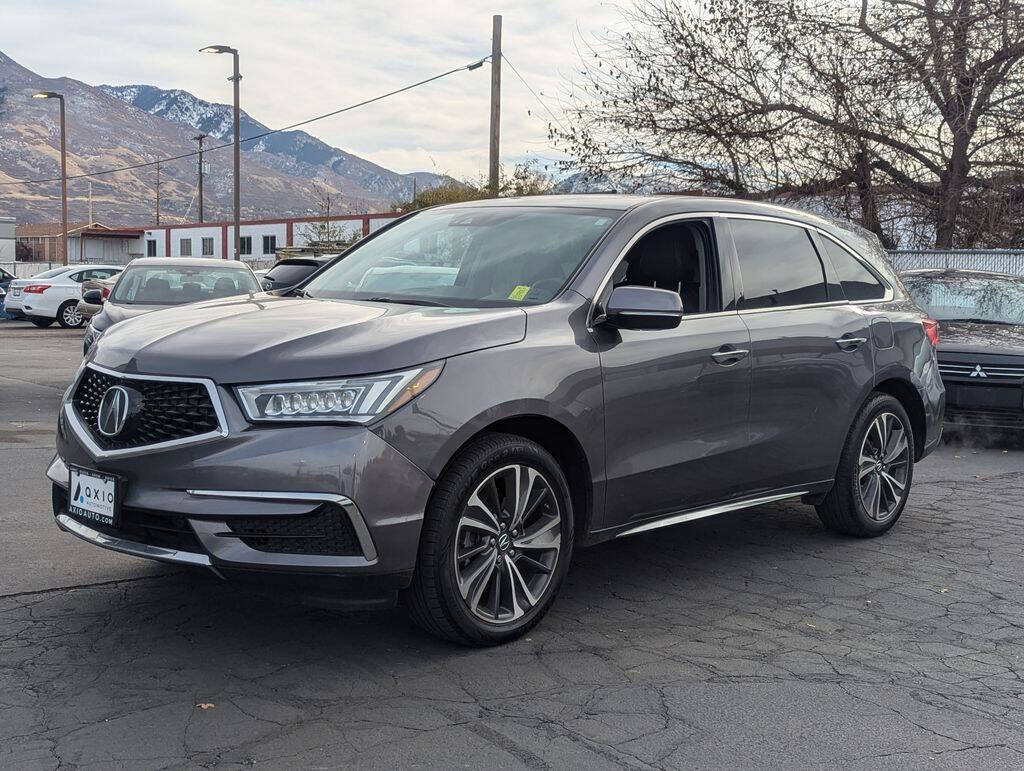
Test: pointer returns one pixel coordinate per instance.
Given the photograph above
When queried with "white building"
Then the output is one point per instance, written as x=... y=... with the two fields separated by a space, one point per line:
x=7 y=242
x=260 y=239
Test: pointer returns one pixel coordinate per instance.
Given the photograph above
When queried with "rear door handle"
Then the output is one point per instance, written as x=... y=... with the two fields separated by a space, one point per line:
x=727 y=355
x=847 y=343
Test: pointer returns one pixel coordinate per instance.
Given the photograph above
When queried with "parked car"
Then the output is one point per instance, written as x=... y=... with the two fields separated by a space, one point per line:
x=104 y=285
x=981 y=356
x=291 y=271
x=155 y=283
x=16 y=286
x=44 y=299
x=596 y=367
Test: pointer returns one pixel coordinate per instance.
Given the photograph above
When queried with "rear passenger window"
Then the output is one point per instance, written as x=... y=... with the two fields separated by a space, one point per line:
x=778 y=265
x=858 y=282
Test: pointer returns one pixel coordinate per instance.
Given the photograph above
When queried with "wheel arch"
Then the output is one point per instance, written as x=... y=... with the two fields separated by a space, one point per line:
x=906 y=394
x=559 y=440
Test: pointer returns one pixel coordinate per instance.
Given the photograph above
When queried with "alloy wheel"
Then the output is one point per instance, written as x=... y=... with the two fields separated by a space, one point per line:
x=884 y=466
x=507 y=544
x=71 y=316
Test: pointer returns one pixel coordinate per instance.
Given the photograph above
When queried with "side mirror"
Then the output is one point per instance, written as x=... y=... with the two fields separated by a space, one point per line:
x=93 y=296
x=642 y=307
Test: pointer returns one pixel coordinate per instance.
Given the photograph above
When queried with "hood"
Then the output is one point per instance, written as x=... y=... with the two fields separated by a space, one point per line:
x=972 y=337
x=263 y=338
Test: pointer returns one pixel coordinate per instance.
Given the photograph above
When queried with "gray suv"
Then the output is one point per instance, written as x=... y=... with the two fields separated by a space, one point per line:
x=477 y=389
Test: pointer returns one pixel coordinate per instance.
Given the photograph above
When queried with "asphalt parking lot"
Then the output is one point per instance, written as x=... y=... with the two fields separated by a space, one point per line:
x=750 y=639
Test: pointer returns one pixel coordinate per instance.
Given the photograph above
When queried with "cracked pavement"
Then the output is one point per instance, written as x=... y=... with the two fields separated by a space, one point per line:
x=749 y=639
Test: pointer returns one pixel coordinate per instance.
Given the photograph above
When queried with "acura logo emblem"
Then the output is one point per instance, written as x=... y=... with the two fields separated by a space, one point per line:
x=113 y=411
x=978 y=371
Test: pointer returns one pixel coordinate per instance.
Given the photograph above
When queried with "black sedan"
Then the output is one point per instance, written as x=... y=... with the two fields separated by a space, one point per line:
x=981 y=345
x=289 y=272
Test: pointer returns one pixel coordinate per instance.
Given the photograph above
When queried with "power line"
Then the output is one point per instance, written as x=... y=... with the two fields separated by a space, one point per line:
x=535 y=95
x=471 y=66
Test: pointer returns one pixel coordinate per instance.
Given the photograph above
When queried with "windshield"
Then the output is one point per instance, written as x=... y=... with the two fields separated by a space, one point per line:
x=173 y=285
x=468 y=257
x=969 y=298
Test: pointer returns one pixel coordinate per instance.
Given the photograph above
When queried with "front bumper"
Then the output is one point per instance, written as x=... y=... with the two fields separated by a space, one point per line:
x=232 y=503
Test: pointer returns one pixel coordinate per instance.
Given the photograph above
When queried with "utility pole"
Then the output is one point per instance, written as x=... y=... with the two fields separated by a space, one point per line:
x=200 y=139
x=492 y=166
x=158 y=192
x=236 y=78
x=90 y=203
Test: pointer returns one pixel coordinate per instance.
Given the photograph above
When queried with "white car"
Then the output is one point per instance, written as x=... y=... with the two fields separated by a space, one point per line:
x=54 y=294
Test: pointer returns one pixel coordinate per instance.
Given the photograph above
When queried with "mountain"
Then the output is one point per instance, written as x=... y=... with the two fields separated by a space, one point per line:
x=280 y=175
x=295 y=152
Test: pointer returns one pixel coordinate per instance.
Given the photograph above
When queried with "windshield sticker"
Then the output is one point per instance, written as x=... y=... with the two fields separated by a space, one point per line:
x=518 y=293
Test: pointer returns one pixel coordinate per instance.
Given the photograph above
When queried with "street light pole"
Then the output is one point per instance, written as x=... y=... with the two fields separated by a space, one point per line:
x=200 y=139
x=63 y=173
x=236 y=78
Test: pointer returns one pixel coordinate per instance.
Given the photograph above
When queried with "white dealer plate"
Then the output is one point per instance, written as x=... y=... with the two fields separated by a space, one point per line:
x=16 y=291
x=92 y=495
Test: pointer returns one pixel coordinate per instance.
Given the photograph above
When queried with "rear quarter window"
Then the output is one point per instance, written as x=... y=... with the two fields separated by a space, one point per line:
x=858 y=282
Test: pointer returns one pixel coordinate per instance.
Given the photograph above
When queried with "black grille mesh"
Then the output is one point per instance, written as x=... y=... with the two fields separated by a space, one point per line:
x=168 y=411
x=327 y=530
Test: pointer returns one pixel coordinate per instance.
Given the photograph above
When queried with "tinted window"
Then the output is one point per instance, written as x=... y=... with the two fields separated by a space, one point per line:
x=778 y=265
x=858 y=282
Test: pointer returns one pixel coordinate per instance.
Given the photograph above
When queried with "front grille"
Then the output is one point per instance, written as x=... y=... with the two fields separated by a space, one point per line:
x=981 y=371
x=327 y=530
x=144 y=526
x=166 y=410
x=1012 y=420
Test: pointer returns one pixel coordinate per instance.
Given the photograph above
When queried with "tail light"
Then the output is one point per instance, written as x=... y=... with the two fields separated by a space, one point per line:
x=106 y=292
x=931 y=328
x=36 y=288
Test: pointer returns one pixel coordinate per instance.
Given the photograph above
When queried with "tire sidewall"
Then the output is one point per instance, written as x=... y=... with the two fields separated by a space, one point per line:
x=526 y=453
x=877 y=405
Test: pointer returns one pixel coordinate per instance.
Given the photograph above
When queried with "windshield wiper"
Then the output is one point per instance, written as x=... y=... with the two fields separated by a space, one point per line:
x=406 y=301
x=988 y=321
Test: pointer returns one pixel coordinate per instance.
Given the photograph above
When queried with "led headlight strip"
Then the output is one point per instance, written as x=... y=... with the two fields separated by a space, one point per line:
x=345 y=400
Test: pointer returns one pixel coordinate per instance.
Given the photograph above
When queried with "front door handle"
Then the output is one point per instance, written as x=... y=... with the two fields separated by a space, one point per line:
x=847 y=343
x=727 y=355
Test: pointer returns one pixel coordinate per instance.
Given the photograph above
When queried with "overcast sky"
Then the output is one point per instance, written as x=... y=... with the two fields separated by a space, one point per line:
x=303 y=58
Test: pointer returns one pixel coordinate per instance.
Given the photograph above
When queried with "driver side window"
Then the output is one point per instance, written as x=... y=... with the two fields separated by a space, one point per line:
x=678 y=257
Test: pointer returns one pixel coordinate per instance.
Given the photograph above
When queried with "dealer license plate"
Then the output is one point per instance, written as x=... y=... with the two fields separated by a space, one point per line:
x=92 y=495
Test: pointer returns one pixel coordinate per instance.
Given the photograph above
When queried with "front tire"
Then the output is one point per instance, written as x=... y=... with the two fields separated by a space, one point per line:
x=875 y=471
x=496 y=543
x=68 y=315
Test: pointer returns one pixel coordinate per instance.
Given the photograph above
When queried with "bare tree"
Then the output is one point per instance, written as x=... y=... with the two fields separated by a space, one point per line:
x=897 y=109
x=323 y=232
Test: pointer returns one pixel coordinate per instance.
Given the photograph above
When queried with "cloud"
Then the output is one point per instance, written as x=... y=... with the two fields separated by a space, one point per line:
x=306 y=57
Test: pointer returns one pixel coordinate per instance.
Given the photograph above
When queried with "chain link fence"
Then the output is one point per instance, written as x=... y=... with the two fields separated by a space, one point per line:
x=997 y=260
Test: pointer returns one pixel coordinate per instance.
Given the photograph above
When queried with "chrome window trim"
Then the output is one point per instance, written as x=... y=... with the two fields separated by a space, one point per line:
x=81 y=431
x=355 y=515
x=668 y=219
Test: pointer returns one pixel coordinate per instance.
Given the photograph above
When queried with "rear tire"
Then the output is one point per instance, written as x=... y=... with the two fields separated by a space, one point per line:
x=41 y=321
x=68 y=315
x=875 y=472
x=492 y=560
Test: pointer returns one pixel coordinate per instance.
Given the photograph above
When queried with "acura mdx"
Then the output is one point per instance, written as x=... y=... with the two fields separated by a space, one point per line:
x=476 y=389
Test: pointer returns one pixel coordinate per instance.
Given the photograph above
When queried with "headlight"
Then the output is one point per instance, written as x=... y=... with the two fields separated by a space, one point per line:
x=91 y=336
x=347 y=400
